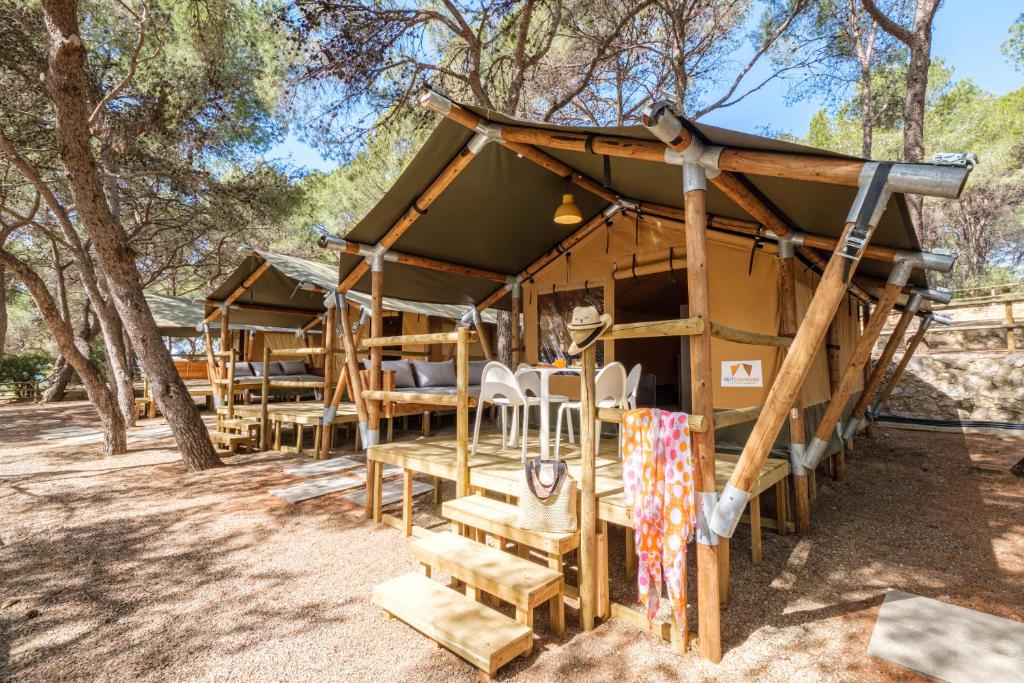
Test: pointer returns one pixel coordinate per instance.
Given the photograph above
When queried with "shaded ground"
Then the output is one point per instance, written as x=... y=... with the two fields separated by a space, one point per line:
x=127 y=567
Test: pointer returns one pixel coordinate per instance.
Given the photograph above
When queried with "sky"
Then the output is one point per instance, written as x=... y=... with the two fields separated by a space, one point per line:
x=967 y=36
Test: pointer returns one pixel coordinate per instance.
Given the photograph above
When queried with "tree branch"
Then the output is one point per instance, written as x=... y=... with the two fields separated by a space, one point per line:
x=133 y=64
x=898 y=32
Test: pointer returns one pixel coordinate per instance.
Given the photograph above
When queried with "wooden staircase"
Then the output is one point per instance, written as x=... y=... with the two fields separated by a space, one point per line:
x=483 y=636
x=232 y=432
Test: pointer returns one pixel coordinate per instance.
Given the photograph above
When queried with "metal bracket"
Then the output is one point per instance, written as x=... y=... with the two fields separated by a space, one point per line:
x=939 y=295
x=708 y=503
x=900 y=272
x=854 y=427
x=797 y=458
x=371 y=436
x=789 y=242
x=728 y=511
x=694 y=177
x=813 y=454
x=485 y=132
x=329 y=414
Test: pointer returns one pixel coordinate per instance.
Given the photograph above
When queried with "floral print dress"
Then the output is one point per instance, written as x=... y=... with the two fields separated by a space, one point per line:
x=659 y=488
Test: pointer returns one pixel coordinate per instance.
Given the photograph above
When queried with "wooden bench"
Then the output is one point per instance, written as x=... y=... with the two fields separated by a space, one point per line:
x=520 y=582
x=483 y=637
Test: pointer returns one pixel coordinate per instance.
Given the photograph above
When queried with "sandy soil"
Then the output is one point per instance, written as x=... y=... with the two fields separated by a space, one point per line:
x=129 y=568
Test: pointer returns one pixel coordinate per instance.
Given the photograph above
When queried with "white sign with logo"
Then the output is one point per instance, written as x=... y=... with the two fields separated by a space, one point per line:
x=742 y=373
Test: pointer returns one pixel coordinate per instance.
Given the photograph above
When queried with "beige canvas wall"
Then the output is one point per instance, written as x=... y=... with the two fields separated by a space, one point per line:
x=748 y=301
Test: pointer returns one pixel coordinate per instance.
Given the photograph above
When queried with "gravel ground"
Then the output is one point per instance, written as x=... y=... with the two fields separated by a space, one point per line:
x=129 y=568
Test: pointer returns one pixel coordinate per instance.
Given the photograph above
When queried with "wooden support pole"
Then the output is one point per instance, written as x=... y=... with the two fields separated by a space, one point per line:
x=355 y=382
x=701 y=387
x=329 y=342
x=797 y=429
x=912 y=345
x=882 y=365
x=517 y=328
x=264 y=398
x=861 y=352
x=588 y=502
x=211 y=361
x=1011 y=340
x=833 y=346
x=231 y=385
x=225 y=345
x=374 y=407
x=462 y=412
x=484 y=338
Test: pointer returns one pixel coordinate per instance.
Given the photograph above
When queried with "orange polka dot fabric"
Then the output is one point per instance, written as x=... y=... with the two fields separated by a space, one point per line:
x=657 y=465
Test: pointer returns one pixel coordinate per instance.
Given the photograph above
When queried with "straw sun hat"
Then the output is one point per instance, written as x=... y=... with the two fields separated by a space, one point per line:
x=586 y=326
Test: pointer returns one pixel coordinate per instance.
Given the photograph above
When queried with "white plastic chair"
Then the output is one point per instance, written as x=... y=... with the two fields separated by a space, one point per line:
x=498 y=386
x=609 y=392
x=632 y=386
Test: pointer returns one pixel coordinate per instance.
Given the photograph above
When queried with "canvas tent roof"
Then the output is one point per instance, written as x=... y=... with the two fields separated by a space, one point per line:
x=279 y=287
x=497 y=214
x=175 y=316
x=178 y=316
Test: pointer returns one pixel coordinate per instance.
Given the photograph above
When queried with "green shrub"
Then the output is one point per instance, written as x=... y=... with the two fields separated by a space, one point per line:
x=30 y=366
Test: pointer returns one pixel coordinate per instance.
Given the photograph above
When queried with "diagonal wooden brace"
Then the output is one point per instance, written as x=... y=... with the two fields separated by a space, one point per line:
x=857 y=420
x=912 y=345
x=818 y=447
x=864 y=215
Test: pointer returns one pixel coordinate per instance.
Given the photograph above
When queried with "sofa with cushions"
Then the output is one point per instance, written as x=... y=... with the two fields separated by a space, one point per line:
x=426 y=377
x=421 y=377
x=249 y=375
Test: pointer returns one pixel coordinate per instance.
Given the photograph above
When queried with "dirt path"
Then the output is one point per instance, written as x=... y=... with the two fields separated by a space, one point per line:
x=128 y=568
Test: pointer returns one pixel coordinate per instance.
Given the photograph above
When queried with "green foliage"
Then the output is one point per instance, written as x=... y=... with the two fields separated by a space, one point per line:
x=30 y=366
x=986 y=225
x=1013 y=48
x=336 y=201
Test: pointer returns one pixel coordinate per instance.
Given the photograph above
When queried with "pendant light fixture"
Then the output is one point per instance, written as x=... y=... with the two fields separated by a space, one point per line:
x=568 y=213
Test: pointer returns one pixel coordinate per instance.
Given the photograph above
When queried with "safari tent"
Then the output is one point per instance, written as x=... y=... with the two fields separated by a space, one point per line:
x=752 y=277
x=278 y=322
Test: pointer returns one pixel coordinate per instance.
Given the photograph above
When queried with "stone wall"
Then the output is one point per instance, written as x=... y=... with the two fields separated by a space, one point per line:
x=961 y=386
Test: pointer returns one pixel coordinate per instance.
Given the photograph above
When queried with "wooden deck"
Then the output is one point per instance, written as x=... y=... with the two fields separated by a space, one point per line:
x=307 y=413
x=493 y=468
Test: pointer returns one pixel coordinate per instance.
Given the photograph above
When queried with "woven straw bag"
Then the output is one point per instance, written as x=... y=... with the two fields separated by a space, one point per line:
x=547 y=497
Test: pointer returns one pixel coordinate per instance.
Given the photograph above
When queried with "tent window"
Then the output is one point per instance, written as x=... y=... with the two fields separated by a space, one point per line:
x=554 y=310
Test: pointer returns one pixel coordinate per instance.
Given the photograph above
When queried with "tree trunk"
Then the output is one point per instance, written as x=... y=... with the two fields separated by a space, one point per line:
x=918 y=40
x=867 y=127
x=3 y=309
x=505 y=338
x=63 y=372
x=913 y=114
x=1018 y=469
x=65 y=82
x=114 y=439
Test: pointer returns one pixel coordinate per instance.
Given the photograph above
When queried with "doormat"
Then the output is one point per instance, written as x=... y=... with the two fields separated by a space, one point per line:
x=391 y=492
x=322 y=467
x=315 y=488
x=947 y=642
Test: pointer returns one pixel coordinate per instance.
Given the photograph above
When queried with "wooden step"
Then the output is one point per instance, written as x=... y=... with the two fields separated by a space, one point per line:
x=483 y=637
x=520 y=582
x=501 y=519
x=228 y=438
x=241 y=423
